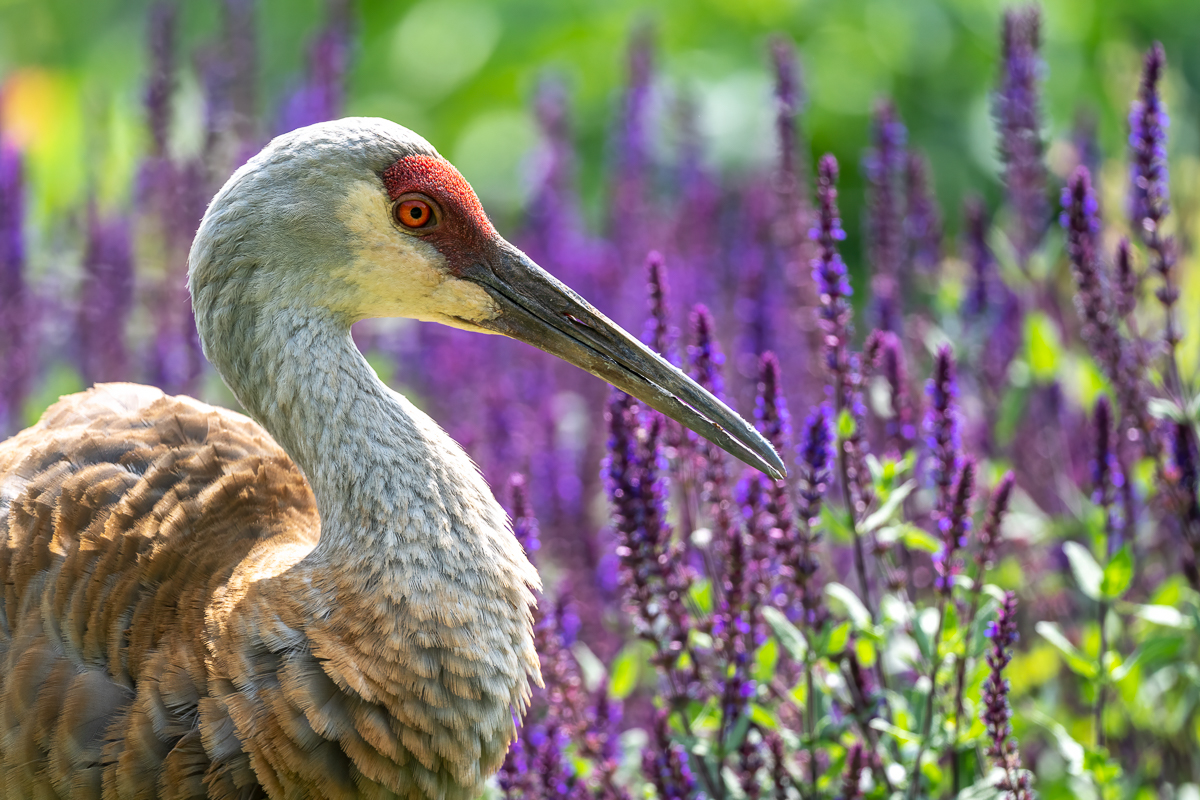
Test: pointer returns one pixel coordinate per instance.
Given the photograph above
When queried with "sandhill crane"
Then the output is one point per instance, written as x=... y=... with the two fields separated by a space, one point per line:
x=195 y=607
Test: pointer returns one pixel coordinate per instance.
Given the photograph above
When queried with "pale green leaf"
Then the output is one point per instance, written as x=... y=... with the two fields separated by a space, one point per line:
x=789 y=635
x=1118 y=573
x=1085 y=569
x=1076 y=661
x=885 y=512
x=854 y=607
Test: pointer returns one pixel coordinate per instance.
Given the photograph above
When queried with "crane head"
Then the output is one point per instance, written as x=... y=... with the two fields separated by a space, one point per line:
x=411 y=239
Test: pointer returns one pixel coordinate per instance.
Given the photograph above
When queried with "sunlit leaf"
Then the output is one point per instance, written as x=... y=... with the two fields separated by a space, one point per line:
x=1087 y=572
x=789 y=635
x=1118 y=573
x=854 y=608
x=1076 y=661
x=885 y=512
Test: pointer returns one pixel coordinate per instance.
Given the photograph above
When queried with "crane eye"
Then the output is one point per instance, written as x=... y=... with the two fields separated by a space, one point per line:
x=415 y=213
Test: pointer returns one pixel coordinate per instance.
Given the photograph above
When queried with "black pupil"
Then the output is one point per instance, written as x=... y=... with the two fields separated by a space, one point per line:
x=415 y=212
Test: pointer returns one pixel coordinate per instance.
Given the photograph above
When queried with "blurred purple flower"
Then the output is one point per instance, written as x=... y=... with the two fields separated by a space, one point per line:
x=979 y=255
x=884 y=167
x=17 y=343
x=814 y=474
x=954 y=525
x=1100 y=328
x=660 y=334
x=997 y=713
x=922 y=220
x=942 y=427
x=1183 y=476
x=1125 y=280
x=161 y=85
x=1107 y=475
x=321 y=95
x=856 y=763
x=989 y=533
x=1149 y=196
x=884 y=352
x=106 y=299
x=1018 y=116
x=665 y=764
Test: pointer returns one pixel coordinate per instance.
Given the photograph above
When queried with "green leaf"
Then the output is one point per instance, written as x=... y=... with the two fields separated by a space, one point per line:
x=918 y=539
x=765 y=659
x=854 y=607
x=1166 y=616
x=832 y=640
x=701 y=595
x=1077 y=661
x=1087 y=572
x=1160 y=408
x=788 y=634
x=846 y=426
x=625 y=671
x=1042 y=347
x=1118 y=573
x=836 y=523
x=885 y=512
x=764 y=719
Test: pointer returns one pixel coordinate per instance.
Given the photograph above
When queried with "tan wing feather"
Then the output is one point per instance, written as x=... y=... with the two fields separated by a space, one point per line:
x=121 y=513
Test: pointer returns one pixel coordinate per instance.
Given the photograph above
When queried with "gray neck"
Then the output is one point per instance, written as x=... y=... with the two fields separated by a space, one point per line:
x=383 y=473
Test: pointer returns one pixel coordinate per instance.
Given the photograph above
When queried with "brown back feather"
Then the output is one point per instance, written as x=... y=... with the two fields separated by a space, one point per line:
x=122 y=512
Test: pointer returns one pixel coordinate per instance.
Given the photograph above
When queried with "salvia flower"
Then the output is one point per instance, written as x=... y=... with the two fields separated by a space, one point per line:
x=665 y=763
x=16 y=340
x=788 y=101
x=1125 y=279
x=814 y=474
x=979 y=255
x=884 y=352
x=989 y=532
x=161 y=86
x=856 y=764
x=1149 y=199
x=660 y=334
x=997 y=713
x=1019 y=119
x=884 y=167
x=1095 y=306
x=942 y=425
x=922 y=219
x=954 y=525
x=106 y=299
x=772 y=419
x=321 y=96
x=1107 y=477
x=1183 y=473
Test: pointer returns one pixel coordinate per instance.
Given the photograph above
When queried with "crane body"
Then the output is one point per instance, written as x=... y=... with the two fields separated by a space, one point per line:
x=324 y=600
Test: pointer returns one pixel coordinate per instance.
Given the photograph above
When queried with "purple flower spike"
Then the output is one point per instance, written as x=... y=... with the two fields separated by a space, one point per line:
x=942 y=426
x=788 y=101
x=884 y=168
x=525 y=524
x=1183 y=474
x=161 y=86
x=1107 y=477
x=665 y=763
x=979 y=255
x=923 y=220
x=705 y=355
x=856 y=764
x=989 y=533
x=660 y=334
x=1149 y=197
x=106 y=298
x=885 y=353
x=16 y=311
x=814 y=474
x=1019 y=118
x=1125 y=280
x=997 y=714
x=1095 y=307
x=953 y=527
x=321 y=96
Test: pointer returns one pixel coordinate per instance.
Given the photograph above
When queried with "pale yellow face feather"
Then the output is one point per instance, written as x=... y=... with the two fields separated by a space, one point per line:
x=399 y=275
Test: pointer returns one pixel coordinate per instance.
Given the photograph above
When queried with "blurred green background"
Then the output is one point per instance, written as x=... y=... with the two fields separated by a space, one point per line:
x=462 y=72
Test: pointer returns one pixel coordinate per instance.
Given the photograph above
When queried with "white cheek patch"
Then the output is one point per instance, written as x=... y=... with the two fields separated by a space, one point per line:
x=399 y=275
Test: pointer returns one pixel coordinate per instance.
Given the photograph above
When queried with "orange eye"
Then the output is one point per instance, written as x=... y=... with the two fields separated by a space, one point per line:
x=414 y=213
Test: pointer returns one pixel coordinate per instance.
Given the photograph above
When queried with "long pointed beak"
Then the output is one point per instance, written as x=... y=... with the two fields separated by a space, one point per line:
x=537 y=308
